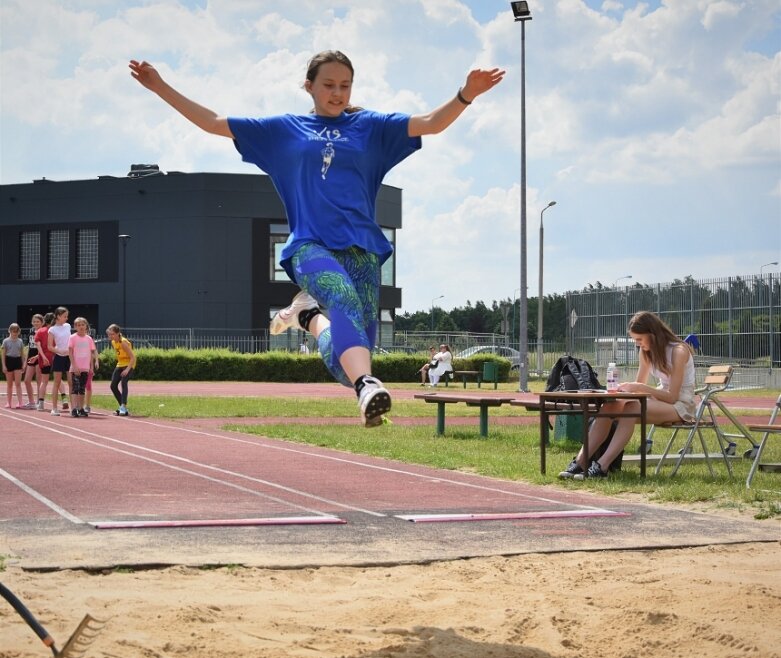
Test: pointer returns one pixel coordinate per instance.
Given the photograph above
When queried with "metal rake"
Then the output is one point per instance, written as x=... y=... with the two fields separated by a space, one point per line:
x=77 y=643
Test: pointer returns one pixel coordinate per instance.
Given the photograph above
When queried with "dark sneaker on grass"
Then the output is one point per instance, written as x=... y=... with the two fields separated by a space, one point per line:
x=374 y=401
x=594 y=471
x=571 y=471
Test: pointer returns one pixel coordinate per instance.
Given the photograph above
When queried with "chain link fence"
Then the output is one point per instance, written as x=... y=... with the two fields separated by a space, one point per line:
x=736 y=320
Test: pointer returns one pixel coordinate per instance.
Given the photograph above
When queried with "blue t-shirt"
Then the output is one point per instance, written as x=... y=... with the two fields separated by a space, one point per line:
x=328 y=172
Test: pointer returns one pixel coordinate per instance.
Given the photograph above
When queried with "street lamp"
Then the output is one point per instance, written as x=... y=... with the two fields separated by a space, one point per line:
x=432 y=310
x=621 y=278
x=762 y=267
x=124 y=238
x=522 y=14
x=539 y=297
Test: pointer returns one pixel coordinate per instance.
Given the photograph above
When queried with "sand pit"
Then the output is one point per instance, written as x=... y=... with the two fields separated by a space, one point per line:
x=718 y=601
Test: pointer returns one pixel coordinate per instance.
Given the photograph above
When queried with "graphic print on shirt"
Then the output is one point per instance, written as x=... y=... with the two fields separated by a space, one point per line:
x=328 y=156
x=328 y=153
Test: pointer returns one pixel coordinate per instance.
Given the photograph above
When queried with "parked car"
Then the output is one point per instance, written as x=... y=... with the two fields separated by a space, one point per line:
x=406 y=349
x=514 y=356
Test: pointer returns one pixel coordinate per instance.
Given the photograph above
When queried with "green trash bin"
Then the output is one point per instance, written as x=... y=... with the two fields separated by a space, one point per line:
x=568 y=428
x=491 y=372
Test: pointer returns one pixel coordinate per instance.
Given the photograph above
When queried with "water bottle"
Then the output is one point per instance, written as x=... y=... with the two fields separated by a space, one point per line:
x=611 y=377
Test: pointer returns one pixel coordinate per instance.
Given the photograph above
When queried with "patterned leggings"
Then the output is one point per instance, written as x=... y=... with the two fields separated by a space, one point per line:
x=346 y=284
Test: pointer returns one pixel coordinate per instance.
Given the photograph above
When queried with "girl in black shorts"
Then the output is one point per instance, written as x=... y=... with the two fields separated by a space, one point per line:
x=12 y=351
x=59 y=335
x=32 y=366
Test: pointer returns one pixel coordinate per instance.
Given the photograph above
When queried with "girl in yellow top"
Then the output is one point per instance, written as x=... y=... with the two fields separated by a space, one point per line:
x=126 y=363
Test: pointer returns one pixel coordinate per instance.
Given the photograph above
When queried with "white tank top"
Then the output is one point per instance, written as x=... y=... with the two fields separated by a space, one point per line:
x=688 y=374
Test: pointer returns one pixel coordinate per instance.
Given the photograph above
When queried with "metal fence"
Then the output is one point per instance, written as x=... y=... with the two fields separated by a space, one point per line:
x=736 y=320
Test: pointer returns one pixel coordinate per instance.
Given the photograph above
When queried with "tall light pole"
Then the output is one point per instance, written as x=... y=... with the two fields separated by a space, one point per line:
x=769 y=306
x=621 y=278
x=124 y=238
x=539 y=296
x=522 y=14
x=432 y=310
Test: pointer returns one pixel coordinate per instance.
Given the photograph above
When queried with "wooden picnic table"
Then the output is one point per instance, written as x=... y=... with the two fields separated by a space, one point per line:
x=589 y=405
x=483 y=402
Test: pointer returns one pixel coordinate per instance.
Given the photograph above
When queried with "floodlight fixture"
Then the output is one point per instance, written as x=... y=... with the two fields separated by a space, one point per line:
x=521 y=11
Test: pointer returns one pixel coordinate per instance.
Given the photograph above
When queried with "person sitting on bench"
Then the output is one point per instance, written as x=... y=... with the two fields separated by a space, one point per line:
x=424 y=368
x=441 y=363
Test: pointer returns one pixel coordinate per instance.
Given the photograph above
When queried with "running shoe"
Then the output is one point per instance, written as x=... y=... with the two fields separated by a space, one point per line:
x=122 y=411
x=374 y=401
x=594 y=471
x=83 y=413
x=74 y=413
x=39 y=406
x=571 y=471
x=55 y=412
x=30 y=406
x=287 y=318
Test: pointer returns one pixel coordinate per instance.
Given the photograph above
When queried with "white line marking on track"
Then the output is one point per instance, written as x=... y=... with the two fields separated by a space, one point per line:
x=54 y=427
x=223 y=523
x=353 y=462
x=41 y=498
x=507 y=516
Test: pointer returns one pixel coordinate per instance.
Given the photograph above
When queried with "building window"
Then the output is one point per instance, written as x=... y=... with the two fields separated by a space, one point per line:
x=87 y=253
x=388 y=271
x=30 y=256
x=58 y=255
x=385 y=339
x=278 y=235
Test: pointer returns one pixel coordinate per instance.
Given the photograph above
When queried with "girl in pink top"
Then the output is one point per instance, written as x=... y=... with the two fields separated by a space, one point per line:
x=82 y=353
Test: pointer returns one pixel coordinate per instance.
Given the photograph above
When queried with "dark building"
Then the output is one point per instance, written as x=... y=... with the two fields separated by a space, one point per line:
x=155 y=250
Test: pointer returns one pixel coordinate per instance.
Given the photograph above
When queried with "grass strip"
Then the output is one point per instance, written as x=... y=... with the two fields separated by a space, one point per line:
x=509 y=452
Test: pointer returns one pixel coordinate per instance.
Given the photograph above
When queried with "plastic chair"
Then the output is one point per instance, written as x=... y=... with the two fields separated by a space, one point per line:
x=771 y=428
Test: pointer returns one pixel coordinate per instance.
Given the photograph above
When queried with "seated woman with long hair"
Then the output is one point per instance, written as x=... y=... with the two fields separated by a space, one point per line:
x=669 y=360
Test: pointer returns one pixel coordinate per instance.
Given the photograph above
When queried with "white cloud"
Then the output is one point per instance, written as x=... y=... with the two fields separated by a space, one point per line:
x=632 y=107
x=719 y=11
x=277 y=30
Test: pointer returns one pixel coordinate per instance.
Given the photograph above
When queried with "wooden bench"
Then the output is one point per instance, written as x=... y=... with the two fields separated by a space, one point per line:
x=464 y=375
x=470 y=400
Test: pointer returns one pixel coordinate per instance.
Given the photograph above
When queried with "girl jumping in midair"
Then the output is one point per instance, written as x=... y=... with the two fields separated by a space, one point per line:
x=335 y=249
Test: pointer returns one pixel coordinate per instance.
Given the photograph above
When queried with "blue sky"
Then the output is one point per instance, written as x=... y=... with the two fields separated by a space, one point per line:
x=655 y=126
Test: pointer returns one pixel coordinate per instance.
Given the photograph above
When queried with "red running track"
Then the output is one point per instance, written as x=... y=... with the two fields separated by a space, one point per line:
x=106 y=469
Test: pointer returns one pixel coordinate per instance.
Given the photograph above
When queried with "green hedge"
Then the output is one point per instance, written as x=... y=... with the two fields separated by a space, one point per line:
x=276 y=366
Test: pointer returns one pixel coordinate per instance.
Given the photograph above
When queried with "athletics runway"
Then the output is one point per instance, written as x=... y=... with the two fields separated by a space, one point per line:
x=105 y=491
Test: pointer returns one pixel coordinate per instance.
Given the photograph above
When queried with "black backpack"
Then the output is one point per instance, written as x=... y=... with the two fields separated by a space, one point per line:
x=571 y=374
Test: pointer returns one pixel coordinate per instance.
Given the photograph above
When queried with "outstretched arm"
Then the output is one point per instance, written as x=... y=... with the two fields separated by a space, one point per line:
x=478 y=82
x=204 y=118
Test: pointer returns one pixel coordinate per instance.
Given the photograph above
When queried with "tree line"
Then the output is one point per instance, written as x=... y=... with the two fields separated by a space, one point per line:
x=501 y=317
